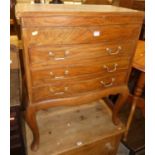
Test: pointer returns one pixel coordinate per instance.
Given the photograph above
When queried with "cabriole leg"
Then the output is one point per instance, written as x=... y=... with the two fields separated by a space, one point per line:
x=30 y=117
x=118 y=105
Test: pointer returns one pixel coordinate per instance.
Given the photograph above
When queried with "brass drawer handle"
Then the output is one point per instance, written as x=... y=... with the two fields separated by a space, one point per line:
x=55 y=77
x=66 y=72
x=66 y=53
x=111 y=52
x=105 y=84
x=58 y=77
x=62 y=58
x=58 y=93
x=57 y=59
x=110 y=70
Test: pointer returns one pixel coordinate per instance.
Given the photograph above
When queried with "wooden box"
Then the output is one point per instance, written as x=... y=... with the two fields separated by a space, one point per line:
x=80 y=130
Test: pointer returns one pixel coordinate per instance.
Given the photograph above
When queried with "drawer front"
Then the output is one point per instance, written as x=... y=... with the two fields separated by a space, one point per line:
x=68 y=73
x=106 y=146
x=73 y=88
x=77 y=35
x=42 y=55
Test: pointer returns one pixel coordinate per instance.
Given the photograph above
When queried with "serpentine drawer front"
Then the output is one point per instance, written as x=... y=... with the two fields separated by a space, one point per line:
x=39 y=55
x=75 y=54
x=70 y=88
x=78 y=35
x=67 y=73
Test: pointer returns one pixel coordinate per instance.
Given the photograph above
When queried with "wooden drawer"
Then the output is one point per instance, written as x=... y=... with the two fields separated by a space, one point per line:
x=107 y=146
x=42 y=55
x=68 y=73
x=77 y=35
x=74 y=87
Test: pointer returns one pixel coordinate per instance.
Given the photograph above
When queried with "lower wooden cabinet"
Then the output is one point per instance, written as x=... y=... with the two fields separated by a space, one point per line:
x=79 y=130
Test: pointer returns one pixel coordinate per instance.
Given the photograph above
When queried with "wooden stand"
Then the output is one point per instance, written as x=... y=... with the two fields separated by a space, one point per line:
x=32 y=111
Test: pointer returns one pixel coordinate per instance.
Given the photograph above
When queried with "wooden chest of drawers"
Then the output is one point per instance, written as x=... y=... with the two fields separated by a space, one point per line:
x=76 y=54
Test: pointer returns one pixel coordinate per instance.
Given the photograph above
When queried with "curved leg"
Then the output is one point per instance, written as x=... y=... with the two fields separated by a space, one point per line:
x=30 y=117
x=118 y=105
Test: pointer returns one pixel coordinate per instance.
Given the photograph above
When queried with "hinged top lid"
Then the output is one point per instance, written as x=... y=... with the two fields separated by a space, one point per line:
x=41 y=9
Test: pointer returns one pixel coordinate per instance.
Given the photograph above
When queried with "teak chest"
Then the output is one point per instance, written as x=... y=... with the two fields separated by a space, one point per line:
x=75 y=54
